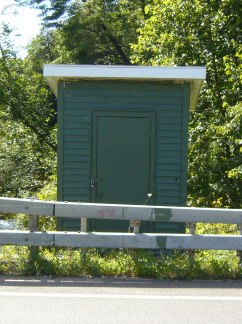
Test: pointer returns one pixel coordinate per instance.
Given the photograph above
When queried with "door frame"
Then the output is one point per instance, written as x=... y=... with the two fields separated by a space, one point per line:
x=132 y=114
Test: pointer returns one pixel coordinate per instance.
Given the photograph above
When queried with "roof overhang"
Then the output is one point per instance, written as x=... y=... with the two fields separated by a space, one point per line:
x=177 y=74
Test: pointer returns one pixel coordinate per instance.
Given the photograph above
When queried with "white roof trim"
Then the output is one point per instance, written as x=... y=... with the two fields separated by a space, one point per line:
x=55 y=72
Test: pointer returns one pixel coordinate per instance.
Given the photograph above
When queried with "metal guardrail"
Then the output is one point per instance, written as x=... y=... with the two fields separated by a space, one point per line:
x=134 y=213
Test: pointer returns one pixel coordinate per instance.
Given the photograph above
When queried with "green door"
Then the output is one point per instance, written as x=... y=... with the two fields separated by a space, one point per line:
x=122 y=162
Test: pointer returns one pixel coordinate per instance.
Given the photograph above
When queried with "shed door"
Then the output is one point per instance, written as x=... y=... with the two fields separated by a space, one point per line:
x=123 y=158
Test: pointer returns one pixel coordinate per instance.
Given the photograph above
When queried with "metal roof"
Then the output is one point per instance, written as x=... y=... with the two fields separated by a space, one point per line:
x=178 y=74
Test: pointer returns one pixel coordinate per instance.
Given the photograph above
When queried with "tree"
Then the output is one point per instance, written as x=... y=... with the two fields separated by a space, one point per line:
x=24 y=95
x=24 y=167
x=204 y=32
x=215 y=156
x=196 y=32
x=95 y=32
x=52 y=10
x=27 y=124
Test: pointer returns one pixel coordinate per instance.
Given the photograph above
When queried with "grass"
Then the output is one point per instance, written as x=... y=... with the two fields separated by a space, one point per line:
x=126 y=263
x=74 y=262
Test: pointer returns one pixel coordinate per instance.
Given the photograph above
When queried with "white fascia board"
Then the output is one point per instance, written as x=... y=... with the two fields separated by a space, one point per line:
x=55 y=72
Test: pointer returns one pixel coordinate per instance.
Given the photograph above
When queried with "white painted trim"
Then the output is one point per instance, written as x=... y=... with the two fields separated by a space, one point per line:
x=124 y=72
x=55 y=72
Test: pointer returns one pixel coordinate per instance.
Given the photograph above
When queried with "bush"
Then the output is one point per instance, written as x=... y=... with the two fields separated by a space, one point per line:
x=128 y=263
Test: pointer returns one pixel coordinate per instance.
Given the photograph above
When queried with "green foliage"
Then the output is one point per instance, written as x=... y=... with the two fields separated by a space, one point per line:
x=23 y=167
x=217 y=265
x=79 y=262
x=94 y=32
x=24 y=96
x=100 y=32
x=198 y=32
x=13 y=260
x=52 y=10
x=215 y=174
x=27 y=130
x=48 y=193
x=47 y=47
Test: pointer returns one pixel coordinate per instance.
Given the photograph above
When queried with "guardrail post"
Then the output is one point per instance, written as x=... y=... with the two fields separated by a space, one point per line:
x=33 y=227
x=33 y=223
x=84 y=250
x=134 y=226
x=83 y=224
x=239 y=253
x=191 y=253
x=192 y=228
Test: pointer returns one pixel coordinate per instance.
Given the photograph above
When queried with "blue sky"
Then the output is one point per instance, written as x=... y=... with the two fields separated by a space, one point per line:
x=25 y=22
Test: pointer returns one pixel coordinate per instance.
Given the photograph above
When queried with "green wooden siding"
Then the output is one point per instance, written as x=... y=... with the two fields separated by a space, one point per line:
x=77 y=103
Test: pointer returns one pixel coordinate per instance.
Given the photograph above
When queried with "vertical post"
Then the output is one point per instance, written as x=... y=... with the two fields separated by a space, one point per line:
x=33 y=223
x=83 y=224
x=239 y=253
x=192 y=228
x=84 y=250
x=134 y=226
x=33 y=226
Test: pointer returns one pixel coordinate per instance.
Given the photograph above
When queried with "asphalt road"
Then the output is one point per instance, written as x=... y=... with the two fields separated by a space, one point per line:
x=97 y=300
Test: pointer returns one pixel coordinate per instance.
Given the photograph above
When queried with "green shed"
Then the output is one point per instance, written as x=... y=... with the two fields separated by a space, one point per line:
x=123 y=134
